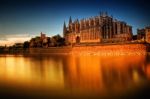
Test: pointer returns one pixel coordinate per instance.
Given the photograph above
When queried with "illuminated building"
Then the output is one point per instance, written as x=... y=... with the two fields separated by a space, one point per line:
x=102 y=28
x=144 y=34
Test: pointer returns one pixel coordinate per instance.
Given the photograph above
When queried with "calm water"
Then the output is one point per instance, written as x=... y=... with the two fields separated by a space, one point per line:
x=68 y=76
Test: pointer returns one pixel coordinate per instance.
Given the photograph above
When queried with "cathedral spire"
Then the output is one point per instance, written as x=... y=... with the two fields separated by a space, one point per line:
x=64 y=29
x=70 y=20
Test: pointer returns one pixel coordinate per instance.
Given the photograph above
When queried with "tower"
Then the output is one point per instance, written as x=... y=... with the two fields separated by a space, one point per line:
x=64 y=29
x=70 y=24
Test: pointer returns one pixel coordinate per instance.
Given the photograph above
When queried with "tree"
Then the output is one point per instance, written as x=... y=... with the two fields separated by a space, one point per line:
x=26 y=44
x=57 y=40
x=38 y=41
x=32 y=42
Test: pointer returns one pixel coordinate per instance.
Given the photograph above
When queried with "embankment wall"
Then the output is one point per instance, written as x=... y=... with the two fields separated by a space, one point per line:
x=104 y=50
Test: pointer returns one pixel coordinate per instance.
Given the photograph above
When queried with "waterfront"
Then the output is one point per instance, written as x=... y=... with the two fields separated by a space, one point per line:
x=63 y=76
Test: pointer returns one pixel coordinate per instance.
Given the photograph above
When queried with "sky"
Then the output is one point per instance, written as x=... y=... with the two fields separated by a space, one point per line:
x=21 y=20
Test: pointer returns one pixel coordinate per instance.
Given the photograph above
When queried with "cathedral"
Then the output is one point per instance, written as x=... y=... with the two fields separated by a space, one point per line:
x=98 y=29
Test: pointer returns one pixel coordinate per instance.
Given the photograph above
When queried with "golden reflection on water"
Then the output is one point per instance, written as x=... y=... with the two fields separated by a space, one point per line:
x=31 y=71
x=103 y=74
x=74 y=73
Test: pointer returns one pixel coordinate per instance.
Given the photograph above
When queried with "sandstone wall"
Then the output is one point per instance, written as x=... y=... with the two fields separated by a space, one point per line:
x=117 y=50
x=51 y=50
x=102 y=50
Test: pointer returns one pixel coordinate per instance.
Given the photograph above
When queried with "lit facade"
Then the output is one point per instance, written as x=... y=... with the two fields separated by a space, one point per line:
x=147 y=30
x=140 y=34
x=144 y=34
x=102 y=29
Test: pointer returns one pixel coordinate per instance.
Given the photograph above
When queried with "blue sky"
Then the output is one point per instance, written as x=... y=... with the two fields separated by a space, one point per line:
x=27 y=18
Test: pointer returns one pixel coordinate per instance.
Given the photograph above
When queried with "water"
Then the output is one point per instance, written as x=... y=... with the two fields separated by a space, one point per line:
x=68 y=76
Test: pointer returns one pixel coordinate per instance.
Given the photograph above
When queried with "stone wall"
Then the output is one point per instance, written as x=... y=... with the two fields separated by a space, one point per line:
x=50 y=50
x=108 y=50
x=101 y=50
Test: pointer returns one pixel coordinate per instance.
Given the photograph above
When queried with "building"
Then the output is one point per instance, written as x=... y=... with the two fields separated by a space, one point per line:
x=39 y=41
x=141 y=34
x=43 y=36
x=144 y=34
x=98 y=29
x=147 y=32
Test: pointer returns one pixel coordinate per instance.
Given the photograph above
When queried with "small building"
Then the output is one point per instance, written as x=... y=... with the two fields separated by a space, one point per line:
x=144 y=34
x=43 y=36
x=140 y=34
x=147 y=30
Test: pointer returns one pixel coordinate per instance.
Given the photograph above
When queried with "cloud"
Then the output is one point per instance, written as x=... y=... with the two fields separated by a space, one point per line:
x=3 y=39
x=16 y=35
x=10 y=39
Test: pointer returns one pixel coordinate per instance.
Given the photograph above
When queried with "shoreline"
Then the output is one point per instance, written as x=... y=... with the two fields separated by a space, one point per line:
x=97 y=50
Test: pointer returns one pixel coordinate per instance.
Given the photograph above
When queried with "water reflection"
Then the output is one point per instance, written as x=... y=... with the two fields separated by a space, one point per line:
x=75 y=74
x=103 y=74
x=32 y=71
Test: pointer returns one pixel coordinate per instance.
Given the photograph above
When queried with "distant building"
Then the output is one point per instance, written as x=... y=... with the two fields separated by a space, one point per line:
x=39 y=41
x=141 y=34
x=144 y=34
x=102 y=28
x=147 y=31
x=43 y=36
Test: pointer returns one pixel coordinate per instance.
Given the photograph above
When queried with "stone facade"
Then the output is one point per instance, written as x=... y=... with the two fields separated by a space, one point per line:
x=147 y=30
x=111 y=50
x=43 y=36
x=102 y=28
x=140 y=34
x=144 y=34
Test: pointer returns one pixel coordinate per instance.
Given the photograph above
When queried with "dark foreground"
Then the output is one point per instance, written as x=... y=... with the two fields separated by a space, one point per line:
x=21 y=94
